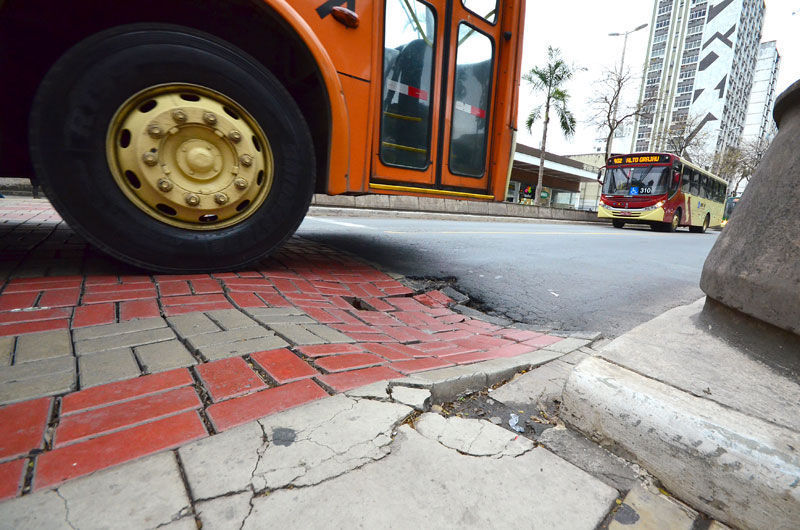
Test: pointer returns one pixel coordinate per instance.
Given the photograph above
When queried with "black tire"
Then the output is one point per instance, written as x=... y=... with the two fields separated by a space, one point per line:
x=617 y=223
x=701 y=229
x=69 y=122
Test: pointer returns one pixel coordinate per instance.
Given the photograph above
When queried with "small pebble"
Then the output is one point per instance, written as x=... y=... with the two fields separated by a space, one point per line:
x=437 y=409
x=495 y=420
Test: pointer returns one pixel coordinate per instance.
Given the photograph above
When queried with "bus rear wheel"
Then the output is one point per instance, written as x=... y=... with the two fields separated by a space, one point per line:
x=617 y=223
x=703 y=228
x=171 y=149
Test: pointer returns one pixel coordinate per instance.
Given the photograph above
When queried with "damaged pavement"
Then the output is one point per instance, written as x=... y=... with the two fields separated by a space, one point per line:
x=376 y=456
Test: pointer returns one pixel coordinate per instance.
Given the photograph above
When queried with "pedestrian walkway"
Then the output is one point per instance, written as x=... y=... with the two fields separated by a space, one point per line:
x=101 y=363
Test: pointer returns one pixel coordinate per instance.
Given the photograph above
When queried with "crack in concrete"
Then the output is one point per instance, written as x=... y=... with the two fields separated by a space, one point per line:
x=66 y=509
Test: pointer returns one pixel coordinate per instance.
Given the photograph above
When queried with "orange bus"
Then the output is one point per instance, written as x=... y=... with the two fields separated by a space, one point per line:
x=189 y=135
x=661 y=190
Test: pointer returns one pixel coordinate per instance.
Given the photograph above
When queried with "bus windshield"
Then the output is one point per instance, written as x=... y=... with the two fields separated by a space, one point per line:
x=632 y=181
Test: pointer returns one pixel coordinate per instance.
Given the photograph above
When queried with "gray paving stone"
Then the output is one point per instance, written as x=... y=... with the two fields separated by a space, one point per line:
x=6 y=350
x=576 y=356
x=229 y=319
x=328 y=334
x=472 y=437
x=147 y=493
x=273 y=311
x=285 y=319
x=45 y=345
x=192 y=324
x=109 y=330
x=223 y=337
x=245 y=347
x=642 y=510
x=136 y=338
x=107 y=367
x=297 y=334
x=22 y=372
x=538 y=389
x=47 y=384
x=164 y=356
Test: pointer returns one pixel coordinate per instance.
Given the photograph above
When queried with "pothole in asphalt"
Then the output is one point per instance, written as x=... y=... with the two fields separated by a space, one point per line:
x=449 y=286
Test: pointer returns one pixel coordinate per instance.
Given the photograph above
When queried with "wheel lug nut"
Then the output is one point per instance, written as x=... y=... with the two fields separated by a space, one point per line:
x=155 y=131
x=220 y=198
x=235 y=136
x=150 y=158
x=179 y=116
x=192 y=199
x=209 y=118
x=246 y=160
x=164 y=185
x=240 y=184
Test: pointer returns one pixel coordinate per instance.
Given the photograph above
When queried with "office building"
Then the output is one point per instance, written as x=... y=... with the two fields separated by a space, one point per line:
x=698 y=73
x=759 y=127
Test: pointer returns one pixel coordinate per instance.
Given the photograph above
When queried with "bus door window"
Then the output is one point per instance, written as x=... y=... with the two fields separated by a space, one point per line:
x=409 y=40
x=471 y=90
x=486 y=9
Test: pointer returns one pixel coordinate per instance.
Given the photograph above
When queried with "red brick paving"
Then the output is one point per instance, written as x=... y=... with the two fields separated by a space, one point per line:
x=23 y=426
x=11 y=475
x=99 y=421
x=60 y=464
x=243 y=409
x=283 y=366
x=397 y=332
x=228 y=378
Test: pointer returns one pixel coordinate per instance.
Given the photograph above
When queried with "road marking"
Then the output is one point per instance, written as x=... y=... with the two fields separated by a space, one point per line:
x=340 y=223
x=454 y=232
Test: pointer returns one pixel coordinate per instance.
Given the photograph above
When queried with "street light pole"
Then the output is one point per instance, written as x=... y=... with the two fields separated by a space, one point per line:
x=621 y=69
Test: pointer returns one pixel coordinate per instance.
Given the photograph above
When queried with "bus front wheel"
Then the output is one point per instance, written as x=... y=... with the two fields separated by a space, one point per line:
x=617 y=223
x=171 y=149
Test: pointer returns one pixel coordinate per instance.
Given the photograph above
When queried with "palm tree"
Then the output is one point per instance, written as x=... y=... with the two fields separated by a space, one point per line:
x=550 y=79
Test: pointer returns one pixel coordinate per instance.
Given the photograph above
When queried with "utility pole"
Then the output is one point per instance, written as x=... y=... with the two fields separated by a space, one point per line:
x=622 y=65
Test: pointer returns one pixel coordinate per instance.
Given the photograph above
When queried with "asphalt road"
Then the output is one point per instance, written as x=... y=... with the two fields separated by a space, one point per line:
x=561 y=277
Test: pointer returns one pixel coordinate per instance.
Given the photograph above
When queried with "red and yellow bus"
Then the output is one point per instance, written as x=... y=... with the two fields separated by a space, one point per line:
x=186 y=135
x=661 y=190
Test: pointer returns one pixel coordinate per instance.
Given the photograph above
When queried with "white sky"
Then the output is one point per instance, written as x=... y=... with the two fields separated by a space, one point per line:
x=580 y=29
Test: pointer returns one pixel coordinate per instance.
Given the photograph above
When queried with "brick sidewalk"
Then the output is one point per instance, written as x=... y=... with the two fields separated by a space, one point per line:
x=101 y=363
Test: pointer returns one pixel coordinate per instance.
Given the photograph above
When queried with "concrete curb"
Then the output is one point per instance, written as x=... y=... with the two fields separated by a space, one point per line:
x=724 y=441
x=479 y=209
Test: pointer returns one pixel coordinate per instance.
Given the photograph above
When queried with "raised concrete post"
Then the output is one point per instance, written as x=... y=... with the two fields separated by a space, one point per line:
x=754 y=266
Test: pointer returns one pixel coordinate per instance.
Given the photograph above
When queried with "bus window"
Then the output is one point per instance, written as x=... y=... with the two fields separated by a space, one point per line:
x=471 y=89
x=695 y=190
x=486 y=9
x=686 y=180
x=704 y=186
x=407 y=84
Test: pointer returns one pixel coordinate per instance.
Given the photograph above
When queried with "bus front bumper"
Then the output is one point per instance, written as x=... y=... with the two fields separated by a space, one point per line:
x=631 y=215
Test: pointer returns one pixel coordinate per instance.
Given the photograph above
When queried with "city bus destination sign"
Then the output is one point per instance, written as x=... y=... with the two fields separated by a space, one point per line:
x=640 y=159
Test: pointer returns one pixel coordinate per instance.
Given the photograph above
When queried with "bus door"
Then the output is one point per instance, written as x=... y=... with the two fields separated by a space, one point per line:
x=434 y=125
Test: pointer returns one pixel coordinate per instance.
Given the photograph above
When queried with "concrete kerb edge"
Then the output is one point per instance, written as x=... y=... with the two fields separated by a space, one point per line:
x=692 y=445
x=447 y=384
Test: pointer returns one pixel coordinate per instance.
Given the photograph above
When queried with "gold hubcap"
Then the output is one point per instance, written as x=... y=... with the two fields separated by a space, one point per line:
x=189 y=157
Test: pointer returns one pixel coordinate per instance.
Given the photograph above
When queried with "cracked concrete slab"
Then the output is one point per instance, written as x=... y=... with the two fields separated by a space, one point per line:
x=423 y=484
x=540 y=388
x=302 y=446
x=224 y=512
x=418 y=398
x=142 y=494
x=472 y=437
x=329 y=439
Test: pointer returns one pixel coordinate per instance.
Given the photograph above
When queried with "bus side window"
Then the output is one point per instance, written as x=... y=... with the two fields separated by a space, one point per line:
x=686 y=180
x=703 y=191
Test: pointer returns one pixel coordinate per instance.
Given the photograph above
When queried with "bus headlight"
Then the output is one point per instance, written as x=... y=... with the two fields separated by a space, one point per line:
x=657 y=205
